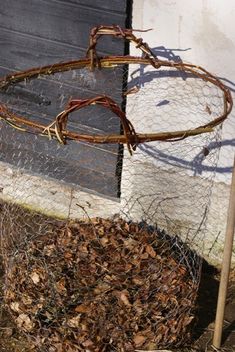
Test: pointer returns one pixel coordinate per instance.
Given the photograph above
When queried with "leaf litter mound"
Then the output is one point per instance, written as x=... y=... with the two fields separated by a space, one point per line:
x=102 y=285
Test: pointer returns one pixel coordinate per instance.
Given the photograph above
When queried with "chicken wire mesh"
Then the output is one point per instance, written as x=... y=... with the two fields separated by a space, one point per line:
x=102 y=242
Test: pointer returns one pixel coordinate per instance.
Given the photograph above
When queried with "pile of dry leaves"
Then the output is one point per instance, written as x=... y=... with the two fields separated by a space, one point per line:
x=102 y=285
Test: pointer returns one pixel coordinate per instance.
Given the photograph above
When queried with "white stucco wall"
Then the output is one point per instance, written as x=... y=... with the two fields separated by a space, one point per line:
x=200 y=32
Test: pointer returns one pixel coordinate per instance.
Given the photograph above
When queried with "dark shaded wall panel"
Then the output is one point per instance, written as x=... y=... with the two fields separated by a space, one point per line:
x=39 y=32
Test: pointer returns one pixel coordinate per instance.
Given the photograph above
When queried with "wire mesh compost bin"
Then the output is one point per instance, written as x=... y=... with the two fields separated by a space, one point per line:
x=86 y=270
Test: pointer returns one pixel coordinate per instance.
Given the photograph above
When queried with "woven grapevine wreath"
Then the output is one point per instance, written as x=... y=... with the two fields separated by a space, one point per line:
x=58 y=128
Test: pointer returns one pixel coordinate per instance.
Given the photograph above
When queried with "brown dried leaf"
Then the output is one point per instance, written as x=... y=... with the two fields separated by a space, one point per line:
x=149 y=249
x=83 y=248
x=68 y=255
x=8 y=332
x=130 y=243
x=138 y=281
x=60 y=285
x=74 y=322
x=187 y=320
x=87 y=343
x=102 y=287
x=27 y=300
x=15 y=306
x=35 y=277
x=82 y=308
x=10 y=295
x=84 y=327
x=104 y=241
x=144 y=255
x=58 y=347
x=24 y=322
x=48 y=250
x=123 y=296
x=48 y=315
x=68 y=232
x=139 y=340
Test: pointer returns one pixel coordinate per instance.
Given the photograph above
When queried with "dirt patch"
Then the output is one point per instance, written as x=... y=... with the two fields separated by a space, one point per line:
x=207 y=302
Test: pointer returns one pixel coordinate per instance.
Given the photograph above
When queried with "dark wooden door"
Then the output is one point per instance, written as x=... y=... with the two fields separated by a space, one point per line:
x=41 y=32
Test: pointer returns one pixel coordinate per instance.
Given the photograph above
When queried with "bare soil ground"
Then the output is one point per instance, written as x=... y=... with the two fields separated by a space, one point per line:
x=207 y=301
x=12 y=341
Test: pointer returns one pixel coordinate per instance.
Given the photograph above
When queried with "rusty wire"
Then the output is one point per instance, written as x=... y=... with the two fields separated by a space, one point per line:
x=134 y=265
x=130 y=137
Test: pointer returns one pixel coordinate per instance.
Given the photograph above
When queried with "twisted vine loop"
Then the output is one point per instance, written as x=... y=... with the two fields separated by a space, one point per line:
x=58 y=128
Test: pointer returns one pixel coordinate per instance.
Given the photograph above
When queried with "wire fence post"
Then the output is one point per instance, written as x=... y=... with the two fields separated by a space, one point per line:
x=228 y=246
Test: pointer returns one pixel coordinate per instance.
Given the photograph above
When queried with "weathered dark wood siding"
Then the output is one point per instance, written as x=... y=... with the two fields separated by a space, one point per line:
x=40 y=32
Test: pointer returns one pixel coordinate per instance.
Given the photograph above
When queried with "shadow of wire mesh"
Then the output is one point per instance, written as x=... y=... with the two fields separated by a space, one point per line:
x=102 y=250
